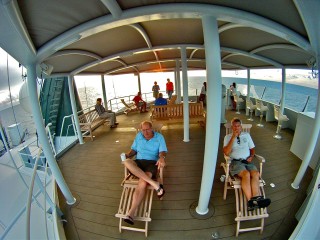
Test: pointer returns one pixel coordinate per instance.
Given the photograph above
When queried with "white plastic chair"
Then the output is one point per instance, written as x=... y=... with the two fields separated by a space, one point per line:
x=261 y=108
x=238 y=100
x=251 y=108
x=280 y=118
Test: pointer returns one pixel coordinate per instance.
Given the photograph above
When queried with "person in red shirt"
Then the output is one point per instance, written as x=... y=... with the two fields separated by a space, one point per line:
x=142 y=105
x=169 y=88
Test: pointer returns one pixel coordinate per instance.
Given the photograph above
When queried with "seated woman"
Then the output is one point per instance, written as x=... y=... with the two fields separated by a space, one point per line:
x=142 y=105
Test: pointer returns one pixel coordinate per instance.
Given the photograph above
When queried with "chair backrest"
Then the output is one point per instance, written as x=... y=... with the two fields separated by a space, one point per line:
x=245 y=127
x=276 y=111
x=124 y=103
x=238 y=99
x=172 y=100
x=258 y=104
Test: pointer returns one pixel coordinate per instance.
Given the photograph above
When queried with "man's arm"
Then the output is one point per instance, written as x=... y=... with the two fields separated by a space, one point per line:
x=131 y=153
x=228 y=148
x=252 y=152
x=161 y=161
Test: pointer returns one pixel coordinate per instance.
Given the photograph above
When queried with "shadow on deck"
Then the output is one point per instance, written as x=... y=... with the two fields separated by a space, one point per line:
x=93 y=172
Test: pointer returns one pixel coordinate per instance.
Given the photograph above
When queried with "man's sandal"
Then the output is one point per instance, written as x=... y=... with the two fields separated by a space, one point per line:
x=159 y=190
x=128 y=219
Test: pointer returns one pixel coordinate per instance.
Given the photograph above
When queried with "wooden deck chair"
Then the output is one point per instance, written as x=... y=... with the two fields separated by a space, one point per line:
x=143 y=212
x=131 y=107
x=242 y=214
x=172 y=100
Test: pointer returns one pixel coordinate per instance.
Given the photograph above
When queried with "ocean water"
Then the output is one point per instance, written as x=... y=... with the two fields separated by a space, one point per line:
x=295 y=98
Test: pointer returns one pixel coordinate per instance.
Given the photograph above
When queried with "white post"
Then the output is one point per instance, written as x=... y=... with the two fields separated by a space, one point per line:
x=313 y=139
x=37 y=117
x=139 y=83
x=103 y=86
x=74 y=108
x=185 y=95
x=283 y=89
x=178 y=87
x=214 y=87
x=248 y=89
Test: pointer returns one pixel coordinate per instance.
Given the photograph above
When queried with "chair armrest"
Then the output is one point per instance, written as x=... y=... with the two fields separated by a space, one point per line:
x=260 y=158
x=228 y=159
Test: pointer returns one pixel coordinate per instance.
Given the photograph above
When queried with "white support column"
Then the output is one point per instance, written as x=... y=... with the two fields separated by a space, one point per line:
x=178 y=87
x=104 y=95
x=175 y=81
x=313 y=139
x=43 y=138
x=283 y=89
x=139 y=82
x=74 y=108
x=214 y=87
x=185 y=95
x=248 y=89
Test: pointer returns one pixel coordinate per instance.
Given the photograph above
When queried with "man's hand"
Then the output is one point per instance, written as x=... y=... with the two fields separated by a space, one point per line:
x=161 y=163
x=250 y=158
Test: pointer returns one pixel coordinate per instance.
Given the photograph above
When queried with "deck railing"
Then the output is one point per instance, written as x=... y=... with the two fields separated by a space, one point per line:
x=295 y=101
x=32 y=197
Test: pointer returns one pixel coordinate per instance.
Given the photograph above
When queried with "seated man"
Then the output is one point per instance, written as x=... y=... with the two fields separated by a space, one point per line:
x=240 y=147
x=142 y=105
x=160 y=100
x=151 y=151
x=106 y=114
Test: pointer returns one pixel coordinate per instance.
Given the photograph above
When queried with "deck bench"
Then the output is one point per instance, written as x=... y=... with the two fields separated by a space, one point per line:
x=89 y=121
x=174 y=113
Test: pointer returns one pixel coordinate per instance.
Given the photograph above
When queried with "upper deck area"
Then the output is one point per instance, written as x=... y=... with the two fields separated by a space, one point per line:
x=93 y=172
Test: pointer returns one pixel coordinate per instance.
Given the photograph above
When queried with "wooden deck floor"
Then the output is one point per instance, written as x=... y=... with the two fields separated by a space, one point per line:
x=93 y=172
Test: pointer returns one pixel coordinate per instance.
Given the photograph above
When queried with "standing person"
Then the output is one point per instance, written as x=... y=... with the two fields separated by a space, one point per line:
x=203 y=92
x=151 y=150
x=142 y=105
x=160 y=100
x=169 y=88
x=155 y=90
x=106 y=114
x=239 y=147
x=233 y=91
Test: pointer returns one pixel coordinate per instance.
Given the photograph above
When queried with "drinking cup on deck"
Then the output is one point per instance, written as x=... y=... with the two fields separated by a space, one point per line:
x=123 y=156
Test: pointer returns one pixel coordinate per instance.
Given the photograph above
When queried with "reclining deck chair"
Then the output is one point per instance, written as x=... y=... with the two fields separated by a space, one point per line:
x=242 y=214
x=131 y=107
x=143 y=212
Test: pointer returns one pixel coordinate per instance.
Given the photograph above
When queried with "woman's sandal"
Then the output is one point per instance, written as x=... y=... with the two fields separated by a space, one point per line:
x=159 y=190
x=128 y=219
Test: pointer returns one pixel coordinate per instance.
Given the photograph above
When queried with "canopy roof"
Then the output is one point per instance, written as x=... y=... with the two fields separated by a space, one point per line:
x=134 y=36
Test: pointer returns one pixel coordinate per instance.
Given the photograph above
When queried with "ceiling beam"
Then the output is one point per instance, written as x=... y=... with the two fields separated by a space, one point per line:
x=175 y=10
x=113 y=7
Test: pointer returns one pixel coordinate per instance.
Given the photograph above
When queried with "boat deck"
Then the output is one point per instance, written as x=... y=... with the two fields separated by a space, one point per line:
x=93 y=172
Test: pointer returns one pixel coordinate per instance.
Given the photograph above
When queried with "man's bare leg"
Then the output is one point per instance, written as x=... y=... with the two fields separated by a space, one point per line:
x=138 y=195
x=255 y=183
x=135 y=170
x=245 y=183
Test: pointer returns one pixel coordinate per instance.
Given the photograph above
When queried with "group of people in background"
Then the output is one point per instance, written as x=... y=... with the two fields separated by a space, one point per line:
x=169 y=89
x=159 y=99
